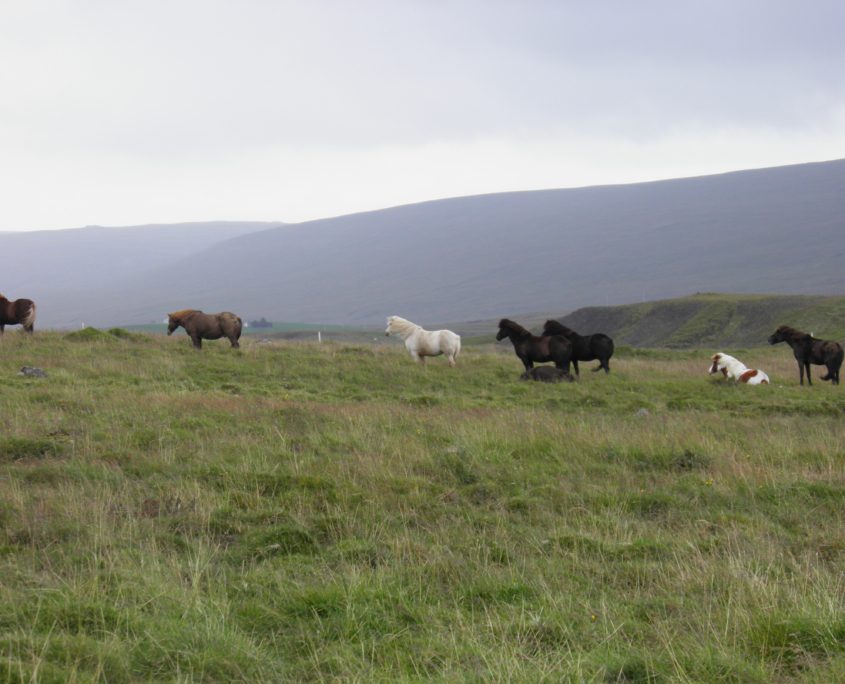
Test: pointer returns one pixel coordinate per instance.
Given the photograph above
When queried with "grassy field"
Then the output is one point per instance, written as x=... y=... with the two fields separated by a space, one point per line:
x=306 y=512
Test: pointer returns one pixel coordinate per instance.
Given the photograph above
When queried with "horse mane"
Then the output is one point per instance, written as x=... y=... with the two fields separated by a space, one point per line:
x=513 y=327
x=557 y=328
x=792 y=332
x=182 y=313
x=401 y=325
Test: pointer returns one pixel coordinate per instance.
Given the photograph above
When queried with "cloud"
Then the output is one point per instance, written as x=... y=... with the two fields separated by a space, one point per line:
x=141 y=108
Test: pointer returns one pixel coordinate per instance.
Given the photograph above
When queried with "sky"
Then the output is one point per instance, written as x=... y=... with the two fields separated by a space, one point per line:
x=160 y=111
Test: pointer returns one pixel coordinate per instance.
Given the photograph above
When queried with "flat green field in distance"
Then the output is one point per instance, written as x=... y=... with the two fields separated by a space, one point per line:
x=294 y=511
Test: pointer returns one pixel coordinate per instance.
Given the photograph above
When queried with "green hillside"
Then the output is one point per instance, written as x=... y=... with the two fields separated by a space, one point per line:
x=303 y=512
x=712 y=320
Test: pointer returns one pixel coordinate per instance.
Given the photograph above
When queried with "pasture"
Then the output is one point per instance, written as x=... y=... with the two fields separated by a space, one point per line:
x=336 y=512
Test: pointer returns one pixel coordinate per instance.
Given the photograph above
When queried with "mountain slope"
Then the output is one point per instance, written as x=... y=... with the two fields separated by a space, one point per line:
x=712 y=320
x=45 y=262
x=774 y=230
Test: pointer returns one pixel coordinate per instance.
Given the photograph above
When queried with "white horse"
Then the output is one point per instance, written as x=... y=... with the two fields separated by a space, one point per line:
x=736 y=370
x=422 y=343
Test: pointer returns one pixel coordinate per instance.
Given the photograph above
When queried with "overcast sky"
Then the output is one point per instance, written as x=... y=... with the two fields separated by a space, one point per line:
x=118 y=112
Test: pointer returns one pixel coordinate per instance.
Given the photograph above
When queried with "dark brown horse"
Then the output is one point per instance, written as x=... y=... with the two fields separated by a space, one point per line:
x=807 y=349
x=584 y=347
x=17 y=312
x=530 y=348
x=202 y=326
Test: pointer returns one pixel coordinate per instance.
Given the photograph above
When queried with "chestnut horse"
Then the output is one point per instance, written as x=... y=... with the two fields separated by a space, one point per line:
x=17 y=312
x=807 y=349
x=584 y=347
x=530 y=348
x=202 y=326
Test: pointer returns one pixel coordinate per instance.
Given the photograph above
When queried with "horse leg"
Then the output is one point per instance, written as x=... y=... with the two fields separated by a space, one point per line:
x=235 y=343
x=809 y=379
x=575 y=366
x=2 y=328
x=451 y=358
x=197 y=340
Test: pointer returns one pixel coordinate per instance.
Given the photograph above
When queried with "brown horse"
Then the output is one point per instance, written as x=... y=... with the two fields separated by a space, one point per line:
x=17 y=312
x=530 y=348
x=807 y=349
x=202 y=326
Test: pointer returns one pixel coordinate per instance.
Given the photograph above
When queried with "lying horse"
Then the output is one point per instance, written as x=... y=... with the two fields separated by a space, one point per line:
x=530 y=348
x=734 y=369
x=17 y=312
x=421 y=343
x=807 y=349
x=202 y=326
x=584 y=347
x=547 y=374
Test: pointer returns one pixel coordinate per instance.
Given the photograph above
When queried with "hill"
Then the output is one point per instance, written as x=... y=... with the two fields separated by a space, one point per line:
x=712 y=320
x=775 y=230
x=71 y=266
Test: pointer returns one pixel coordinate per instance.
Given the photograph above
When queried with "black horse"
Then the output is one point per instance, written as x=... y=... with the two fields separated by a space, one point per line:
x=584 y=347
x=530 y=348
x=807 y=349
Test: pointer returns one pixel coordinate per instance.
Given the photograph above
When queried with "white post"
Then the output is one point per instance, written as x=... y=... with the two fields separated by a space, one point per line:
x=319 y=338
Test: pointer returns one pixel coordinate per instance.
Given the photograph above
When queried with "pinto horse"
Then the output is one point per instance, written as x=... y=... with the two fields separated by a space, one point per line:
x=584 y=347
x=17 y=312
x=807 y=349
x=421 y=343
x=530 y=348
x=734 y=369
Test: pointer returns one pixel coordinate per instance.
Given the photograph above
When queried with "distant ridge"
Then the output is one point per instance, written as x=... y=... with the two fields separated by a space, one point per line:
x=712 y=320
x=778 y=230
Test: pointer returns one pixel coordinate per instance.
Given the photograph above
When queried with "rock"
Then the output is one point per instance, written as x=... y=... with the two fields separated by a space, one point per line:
x=32 y=372
x=642 y=412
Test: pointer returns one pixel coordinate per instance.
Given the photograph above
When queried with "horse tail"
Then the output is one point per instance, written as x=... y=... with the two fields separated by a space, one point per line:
x=29 y=319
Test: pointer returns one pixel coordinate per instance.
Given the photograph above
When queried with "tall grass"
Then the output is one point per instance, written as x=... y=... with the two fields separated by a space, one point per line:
x=324 y=512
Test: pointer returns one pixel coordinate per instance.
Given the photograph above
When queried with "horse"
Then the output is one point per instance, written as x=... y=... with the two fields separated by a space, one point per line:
x=807 y=349
x=734 y=369
x=421 y=343
x=202 y=326
x=17 y=312
x=584 y=347
x=530 y=348
x=547 y=374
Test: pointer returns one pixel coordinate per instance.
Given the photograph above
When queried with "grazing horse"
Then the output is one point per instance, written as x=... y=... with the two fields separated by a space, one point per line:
x=547 y=374
x=19 y=311
x=202 y=326
x=734 y=369
x=421 y=343
x=530 y=348
x=807 y=349
x=584 y=347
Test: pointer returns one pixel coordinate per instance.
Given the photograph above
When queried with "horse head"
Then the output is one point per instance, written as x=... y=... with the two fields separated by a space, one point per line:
x=175 y=319
x=507 y=328
x=714 y=367
x=553 y=327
